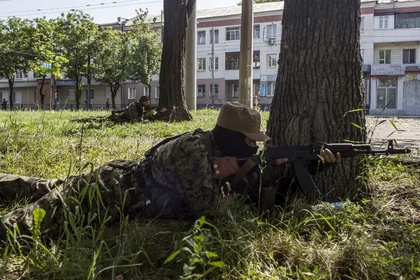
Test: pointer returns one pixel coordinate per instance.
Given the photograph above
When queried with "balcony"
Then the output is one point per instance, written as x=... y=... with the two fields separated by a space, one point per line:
x=395 y=35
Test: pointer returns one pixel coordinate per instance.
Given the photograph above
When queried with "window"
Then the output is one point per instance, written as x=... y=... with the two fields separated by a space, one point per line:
x=383 y=22
x=385 y=57
x=19 y=74
x=201 y=91
x=271 y=31
x=270 y=88
x=386 y=91
x=216 y=62
x=108 y=92
x=92 y=94
x=256 y=31
x=146 y=91
x=233 y=33
x=257 y=90
x=235 y=91
x=256 y=60
x=408 y=20
x=272 y=60
x=216 y=90
x=201 y=64
x=362 y=24
x=132 y=93
x=216 y=36
x=157 y=92
x=201 y=37
x=409 y=56
x=232 y=61
x=18 y=97
x=72 y=94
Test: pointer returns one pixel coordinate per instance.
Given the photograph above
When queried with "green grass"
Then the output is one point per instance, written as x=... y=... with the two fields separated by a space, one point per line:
x=376 y=238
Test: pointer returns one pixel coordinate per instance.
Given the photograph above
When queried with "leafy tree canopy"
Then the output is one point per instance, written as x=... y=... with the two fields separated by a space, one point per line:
x=146 y=50
x=46 y=48
x=78 y=45
x=15 y=49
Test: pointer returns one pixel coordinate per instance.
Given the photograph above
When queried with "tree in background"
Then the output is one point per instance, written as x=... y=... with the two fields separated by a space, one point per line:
x=319 y=80
x=110 y=64
x=15 y=50
x=78 y=43
x=48 y=57
x=171 y=80
x=146 y=50
x=133 y=55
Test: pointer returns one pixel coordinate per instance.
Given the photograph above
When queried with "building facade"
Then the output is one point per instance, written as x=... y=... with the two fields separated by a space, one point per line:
x=390 y=48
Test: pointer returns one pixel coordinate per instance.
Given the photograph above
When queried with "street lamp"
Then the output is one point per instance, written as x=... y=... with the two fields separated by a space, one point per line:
x=122 y=21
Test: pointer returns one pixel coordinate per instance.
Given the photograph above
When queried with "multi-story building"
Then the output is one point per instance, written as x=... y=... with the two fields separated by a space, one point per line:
x=390 y=40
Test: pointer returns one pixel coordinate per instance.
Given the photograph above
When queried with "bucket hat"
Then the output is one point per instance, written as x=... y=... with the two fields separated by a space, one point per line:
x=241 y=118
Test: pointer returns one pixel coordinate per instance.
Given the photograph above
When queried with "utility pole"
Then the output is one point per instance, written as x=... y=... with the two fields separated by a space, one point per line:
x=246 y=56
x=213 y=66
x=89 y=80
x=122 y=21
x=191 y=61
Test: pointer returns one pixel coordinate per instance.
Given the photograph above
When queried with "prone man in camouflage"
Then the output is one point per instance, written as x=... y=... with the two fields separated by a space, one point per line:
x=184 y=176
x=136 y=111
x=139 y=111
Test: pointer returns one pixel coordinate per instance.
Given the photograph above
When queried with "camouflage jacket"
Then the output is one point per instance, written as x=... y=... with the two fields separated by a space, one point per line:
x=134 y=111
x=179 y=176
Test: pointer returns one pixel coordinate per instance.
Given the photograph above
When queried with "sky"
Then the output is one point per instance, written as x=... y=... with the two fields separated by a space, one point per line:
x=103 y=11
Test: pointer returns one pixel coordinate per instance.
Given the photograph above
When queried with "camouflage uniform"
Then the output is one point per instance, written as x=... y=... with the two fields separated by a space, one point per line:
x=134 y=111
x=175 y=180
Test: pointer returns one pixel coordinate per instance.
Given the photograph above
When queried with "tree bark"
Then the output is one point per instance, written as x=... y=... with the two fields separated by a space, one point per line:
x=41 y=93
x=114 y=89
x=171 y=80
x=11 y=81
x=319 y=80
x=79 y=89
x=149 y=86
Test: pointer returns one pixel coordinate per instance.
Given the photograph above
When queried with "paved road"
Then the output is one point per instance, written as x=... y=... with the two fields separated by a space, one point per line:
x=407 y=133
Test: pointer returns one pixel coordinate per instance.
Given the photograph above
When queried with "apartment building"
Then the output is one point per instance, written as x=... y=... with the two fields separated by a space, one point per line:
x=390 y=40
x=390 y=46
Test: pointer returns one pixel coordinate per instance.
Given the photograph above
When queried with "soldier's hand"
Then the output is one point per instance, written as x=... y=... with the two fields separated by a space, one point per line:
x=281 y=161
x=225 y=166
x=163 y=110
x=328 y=157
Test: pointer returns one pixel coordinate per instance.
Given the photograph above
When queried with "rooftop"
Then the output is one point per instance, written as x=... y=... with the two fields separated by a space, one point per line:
x=236 y=10
x=258 y=8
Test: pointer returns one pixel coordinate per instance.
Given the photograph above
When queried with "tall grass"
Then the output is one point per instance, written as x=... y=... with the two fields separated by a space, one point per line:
x=376 y=238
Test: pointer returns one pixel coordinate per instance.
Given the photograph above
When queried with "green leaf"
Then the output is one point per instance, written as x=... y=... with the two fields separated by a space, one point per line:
x=355 y=110
x=393 y=124
x=357 y=126
x=218 y=264
x=172 y=256
x=202 y=220
x=38 y=215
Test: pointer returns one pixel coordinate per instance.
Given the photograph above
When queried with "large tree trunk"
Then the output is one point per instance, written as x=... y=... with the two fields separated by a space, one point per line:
x=11 y=81
x=41 y=92
x=114 y=89
x=319 y=80
x=172 y=94
x=79 y=92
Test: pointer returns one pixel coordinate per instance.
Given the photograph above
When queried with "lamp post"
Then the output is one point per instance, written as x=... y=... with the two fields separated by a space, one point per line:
x=122 y=21
x=246 y=55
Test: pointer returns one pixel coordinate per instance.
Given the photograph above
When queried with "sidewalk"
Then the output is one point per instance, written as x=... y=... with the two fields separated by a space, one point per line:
x=406 y=134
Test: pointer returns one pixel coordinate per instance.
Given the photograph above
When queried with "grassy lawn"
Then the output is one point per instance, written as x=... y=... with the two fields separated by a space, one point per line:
x=376 y=238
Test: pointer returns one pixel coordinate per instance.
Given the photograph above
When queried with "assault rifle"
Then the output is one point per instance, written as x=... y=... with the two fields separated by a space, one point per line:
x=299 y=157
